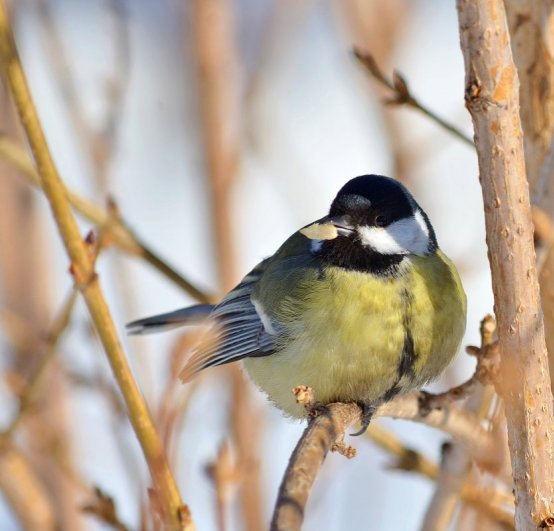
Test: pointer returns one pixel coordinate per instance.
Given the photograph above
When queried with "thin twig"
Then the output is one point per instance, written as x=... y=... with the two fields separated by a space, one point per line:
x=117 y=229
x=24 y=491
x=175 y=515
x=224 y=474
x=494 y=503
x=220 y=105
x=100 y=142
x=175 y=398
x=103 y=507
x=378 y=26
x=492 y=98
x=52 y=338
x=407 y=459
x=402 y=95
x=456 y=460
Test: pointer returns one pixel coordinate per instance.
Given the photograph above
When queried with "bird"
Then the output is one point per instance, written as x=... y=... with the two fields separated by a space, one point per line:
x=361 y=306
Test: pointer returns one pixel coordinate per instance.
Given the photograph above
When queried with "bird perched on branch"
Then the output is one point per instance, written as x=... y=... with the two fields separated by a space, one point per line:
x=361 y=306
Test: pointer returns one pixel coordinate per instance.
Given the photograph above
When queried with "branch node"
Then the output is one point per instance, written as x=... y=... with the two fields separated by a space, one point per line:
x=488 y=364
x=82 y=280
x=343 y=449
x=428 y=402
x=547 y=523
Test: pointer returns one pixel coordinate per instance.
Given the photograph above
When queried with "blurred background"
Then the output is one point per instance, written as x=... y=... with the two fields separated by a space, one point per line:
x=214 y=128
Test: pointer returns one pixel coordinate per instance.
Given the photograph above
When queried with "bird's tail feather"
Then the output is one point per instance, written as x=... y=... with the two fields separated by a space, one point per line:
x=184 y=316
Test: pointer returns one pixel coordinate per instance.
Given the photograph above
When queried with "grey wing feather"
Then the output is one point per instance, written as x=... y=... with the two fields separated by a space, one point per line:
x=236 y=330
x=165 y=321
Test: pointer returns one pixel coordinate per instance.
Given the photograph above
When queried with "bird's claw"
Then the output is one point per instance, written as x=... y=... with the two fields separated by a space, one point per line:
x=368 y=410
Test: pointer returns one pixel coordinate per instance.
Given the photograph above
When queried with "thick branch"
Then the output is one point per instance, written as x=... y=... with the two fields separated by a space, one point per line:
x=461 y=425
x=492 y=99
x=531 y=31
x=531 y=27
x=326 y=432
x=175 y=515
x=308 y=456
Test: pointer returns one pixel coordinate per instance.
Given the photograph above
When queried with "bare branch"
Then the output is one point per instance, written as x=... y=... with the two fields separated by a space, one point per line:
x=174 y=514
x=220 y=104
x=225 y=474
x=531 y=26
x=461 y=425
x=103 y=507
x=326 y=431
x=457 y=461
x=100 y=142
x=24 y=491
x=493 y=102
x=401 y=94
x=322 y=432
x=49 y=350
x=493 y=502
x=454 y=467
x=115 y=227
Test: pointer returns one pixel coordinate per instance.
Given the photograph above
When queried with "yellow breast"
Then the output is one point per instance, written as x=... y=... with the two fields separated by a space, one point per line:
x=349 y=332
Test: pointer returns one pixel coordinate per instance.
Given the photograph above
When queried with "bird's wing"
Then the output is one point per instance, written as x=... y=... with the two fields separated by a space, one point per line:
x=236 y=329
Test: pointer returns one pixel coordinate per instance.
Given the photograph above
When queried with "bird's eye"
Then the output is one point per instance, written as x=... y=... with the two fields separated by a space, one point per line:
x=381 y=221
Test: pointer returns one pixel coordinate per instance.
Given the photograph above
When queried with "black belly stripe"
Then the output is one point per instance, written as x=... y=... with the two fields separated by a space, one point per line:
x=408 y=358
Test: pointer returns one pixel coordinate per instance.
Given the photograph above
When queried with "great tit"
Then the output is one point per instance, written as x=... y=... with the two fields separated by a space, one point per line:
x=361 y=306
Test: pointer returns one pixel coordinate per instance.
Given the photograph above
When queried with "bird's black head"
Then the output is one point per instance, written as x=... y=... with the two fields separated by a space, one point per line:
x=379 y=224
x=373 y=200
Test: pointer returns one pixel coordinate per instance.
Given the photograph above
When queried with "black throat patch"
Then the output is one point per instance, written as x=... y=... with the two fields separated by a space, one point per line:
x=352 y=255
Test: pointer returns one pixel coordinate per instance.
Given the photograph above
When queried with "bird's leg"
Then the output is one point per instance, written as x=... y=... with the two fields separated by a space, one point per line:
x=368 y=410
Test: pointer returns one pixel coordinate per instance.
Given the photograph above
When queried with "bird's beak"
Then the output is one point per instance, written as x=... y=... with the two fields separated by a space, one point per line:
x=344 y=227
x=329 y=230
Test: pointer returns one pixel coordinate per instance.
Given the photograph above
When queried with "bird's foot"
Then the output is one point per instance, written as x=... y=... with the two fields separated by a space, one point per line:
x=368 y=410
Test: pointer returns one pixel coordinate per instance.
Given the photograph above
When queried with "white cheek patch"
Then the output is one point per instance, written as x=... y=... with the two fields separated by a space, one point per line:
x=405 y=236
x=418 y=216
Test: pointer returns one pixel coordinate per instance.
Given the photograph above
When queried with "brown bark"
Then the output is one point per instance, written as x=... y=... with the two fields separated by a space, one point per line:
x=531 y=24
x=326 y=431
x=305 y=462
x=492 y=99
